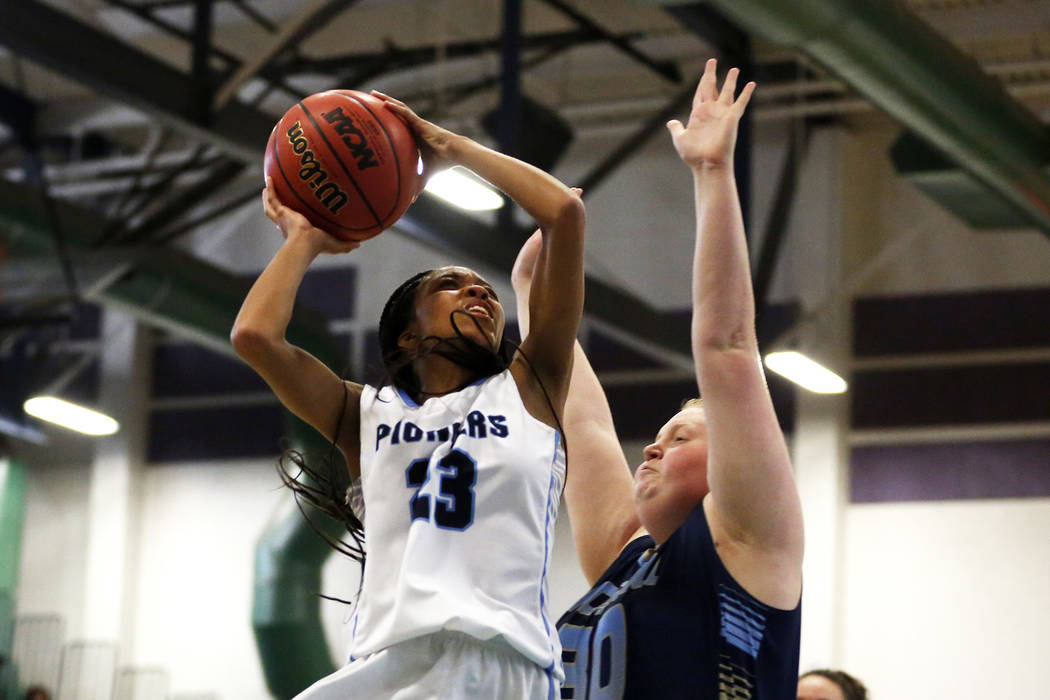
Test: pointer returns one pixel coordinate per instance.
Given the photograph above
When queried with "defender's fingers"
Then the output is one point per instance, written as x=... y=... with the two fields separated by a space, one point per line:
x=745 y=96
x=708 y=89
x=525 y=263
x=729 y=86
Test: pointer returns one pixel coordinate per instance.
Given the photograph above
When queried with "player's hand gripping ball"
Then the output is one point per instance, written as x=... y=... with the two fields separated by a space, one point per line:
x=345 y=162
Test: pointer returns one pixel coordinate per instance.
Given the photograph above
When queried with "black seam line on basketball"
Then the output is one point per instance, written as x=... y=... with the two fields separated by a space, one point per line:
x=335 y=154
x=291 y=188
x=324 y=214
x=393 y=149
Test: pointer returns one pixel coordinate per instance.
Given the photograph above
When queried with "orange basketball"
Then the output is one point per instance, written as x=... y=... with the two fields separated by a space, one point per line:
x=345 y=162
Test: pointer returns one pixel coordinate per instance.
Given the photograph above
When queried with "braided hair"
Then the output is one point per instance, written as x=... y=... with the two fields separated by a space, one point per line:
x=397 y=314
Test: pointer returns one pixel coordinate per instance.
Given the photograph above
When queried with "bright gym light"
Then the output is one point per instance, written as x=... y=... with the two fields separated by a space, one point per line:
x=458 y=188
x=805 y=372
x=70 y=415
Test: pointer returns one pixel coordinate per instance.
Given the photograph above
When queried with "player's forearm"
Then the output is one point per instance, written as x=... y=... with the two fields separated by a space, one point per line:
x=586 y=403
x=555 y=297
x=723 y=301
x=598 y=492
x=545 y=198
x=267 y=309
x=599 y=489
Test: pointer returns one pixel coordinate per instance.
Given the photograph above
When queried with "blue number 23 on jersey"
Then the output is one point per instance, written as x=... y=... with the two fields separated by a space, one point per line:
x=458 y=473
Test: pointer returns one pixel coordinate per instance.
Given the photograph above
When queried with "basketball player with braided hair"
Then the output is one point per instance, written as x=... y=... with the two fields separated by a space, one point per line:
x=459 y=460
x=695 y=561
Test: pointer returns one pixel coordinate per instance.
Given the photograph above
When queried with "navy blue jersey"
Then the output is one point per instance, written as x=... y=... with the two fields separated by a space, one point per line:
x=674 y=624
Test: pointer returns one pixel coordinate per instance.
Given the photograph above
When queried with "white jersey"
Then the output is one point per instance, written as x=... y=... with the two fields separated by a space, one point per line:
x=460 y=496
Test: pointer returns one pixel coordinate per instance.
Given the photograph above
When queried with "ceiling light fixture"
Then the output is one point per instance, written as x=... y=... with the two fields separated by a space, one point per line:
x=805 y=372
x=457 y=187
x=70 y=415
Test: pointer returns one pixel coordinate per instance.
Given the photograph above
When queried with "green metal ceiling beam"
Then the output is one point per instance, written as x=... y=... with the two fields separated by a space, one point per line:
x=915 y=75
x=955 y=189
x=163 y=287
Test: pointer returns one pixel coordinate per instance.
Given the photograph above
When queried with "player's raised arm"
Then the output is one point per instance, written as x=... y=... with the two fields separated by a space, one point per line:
x=556 y=297
x=753 y=495
x=304 y=384
x=598 y=488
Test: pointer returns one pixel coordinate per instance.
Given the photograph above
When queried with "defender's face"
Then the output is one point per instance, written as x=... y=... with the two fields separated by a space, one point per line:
x=462 y=293
x=673 y=477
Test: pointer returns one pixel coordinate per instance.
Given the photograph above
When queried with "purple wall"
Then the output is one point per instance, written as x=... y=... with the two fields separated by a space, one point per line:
x=957 y=470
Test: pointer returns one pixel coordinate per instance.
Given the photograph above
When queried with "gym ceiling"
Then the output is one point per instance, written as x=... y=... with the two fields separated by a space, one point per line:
x=128 y=125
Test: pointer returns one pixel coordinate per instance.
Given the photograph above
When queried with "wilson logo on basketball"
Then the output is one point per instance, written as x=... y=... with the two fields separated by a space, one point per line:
x=353 y=137
x=327 y=193
x=345 y=161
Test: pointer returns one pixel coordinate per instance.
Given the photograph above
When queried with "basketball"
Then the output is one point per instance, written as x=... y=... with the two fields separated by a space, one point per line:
x=345 y=162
